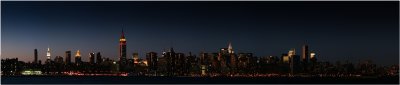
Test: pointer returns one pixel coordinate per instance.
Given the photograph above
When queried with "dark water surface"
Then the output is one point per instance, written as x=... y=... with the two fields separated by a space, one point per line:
x=188 y=80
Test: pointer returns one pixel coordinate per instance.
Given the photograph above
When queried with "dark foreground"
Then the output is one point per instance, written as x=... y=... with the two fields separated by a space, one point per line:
x=189 y=80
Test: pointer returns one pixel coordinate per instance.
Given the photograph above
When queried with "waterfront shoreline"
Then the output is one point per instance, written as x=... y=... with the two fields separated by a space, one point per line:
x=191 y=80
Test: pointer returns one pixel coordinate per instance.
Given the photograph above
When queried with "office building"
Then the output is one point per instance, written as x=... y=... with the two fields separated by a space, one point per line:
x=98 y=58
x=305 y=54
x=91 y=58
x=78 y=59
x=58 y=59
x=35 y=60
x=151 y=58
x=68 y=57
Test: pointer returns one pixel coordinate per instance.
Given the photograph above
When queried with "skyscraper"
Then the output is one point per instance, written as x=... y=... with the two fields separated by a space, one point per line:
x=285 y=58
x=232 y=58
x=67 y=57
x=230 y=49
x=293 y=60
x=151 y=58
x=35 y=56
x=233 y=61
x=313 y=57
x=204 y=58
x=98 y=58
x=292 y=52
x=122 y=49
x=78 y=58
x=224 y=51
x=170 y=58
x=48 y=54
x=305 y=54
x=58 y=59
x=91 y=58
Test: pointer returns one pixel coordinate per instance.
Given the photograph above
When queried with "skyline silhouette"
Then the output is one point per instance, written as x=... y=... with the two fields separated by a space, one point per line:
x=336 y=31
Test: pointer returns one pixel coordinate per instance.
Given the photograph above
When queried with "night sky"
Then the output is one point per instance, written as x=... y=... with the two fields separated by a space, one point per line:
x=335 y=30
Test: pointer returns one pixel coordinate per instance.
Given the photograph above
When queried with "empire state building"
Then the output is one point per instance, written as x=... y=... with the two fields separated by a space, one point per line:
x=122 y=49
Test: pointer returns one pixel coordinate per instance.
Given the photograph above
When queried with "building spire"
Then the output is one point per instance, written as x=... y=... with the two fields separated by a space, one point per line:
x=230 y=49
x=48 y=53
x=122 y=34
x=78 y=54
x=122 y=48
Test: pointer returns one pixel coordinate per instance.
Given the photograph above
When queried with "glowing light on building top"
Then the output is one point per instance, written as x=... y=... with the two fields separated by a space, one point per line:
x=292 y=52
x=312 y=54
x=78 y=54
x=230 y=49
x=48 y=53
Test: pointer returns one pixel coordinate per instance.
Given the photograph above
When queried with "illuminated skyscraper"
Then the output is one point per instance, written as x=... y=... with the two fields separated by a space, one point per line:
x=232 y=61
x=91 y=58
x=35 y=56
x=224 y=51
x=227 y=58
x=285 y=58
x=67 y=57
x=292 y=52
x=294 y=60
x=122 y=49
x=313 y=57
x=48 y=54
x=78 y=59
x=305 y=55
x=230 y=49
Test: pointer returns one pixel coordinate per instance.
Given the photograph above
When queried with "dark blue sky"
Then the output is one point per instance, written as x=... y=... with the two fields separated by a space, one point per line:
x=335 y=30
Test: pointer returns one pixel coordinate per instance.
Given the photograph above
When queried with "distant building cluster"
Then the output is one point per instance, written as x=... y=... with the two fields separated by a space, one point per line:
x=225 y=62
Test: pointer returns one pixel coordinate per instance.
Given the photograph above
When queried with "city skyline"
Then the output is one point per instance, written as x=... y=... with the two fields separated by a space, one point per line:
x=304 y=52
x=267 y=36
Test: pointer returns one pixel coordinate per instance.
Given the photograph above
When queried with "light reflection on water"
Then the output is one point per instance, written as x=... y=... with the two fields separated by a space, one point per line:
x=188 y=80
